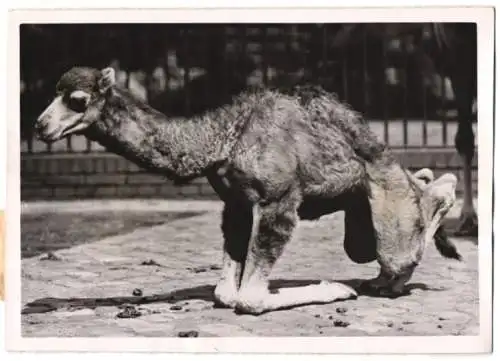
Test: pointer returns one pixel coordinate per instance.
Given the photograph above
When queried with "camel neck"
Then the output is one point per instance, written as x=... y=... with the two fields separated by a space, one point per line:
x=177 y=148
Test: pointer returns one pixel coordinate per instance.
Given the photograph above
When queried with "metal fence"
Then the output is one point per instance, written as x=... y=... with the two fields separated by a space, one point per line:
x=186 y=69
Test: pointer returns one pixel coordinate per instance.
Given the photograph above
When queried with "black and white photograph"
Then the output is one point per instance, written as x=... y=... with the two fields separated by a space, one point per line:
x=243 y=176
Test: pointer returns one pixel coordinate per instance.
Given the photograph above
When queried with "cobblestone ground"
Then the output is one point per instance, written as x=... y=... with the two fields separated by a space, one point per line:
x=88 y=290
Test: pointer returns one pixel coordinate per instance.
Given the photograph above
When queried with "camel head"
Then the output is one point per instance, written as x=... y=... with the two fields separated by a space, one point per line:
x=80 y=95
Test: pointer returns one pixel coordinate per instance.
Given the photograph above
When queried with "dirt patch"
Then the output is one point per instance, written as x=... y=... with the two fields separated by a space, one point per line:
x=52 y=231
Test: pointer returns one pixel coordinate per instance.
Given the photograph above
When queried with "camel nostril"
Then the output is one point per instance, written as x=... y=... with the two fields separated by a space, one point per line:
x=41 y=129
x=40 y=126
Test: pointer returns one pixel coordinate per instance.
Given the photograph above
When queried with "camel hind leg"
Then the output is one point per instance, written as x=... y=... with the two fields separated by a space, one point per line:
x=273 y=225
x=236 y=228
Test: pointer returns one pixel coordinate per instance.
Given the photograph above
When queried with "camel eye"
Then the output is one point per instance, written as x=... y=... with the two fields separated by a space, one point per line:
x=78 y=102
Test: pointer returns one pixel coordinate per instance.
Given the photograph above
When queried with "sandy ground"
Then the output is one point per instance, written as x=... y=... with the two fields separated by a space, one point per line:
x=88 y=290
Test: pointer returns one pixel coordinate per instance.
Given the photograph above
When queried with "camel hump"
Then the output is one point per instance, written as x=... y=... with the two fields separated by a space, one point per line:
x=325 y=107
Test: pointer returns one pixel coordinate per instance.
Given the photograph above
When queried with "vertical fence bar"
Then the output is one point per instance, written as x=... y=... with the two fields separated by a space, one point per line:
x=244 y=47
x=405 y=97
x=265 y=50
x=288 y=36
x=85 y=43
x=444 y=123
x=187 y=69
x=69 y=144
x=30 y=143
x=385 y=91
x=222 y=32
x=365 y=72
x=345 y=77
x=65 y=54
x=88 y=148
x=48 y=146
x=302 y=48
x=295 y=48
x=324 y=66
x=424 y=111
x=206 y=37
x=166 y=65
x=146 y=64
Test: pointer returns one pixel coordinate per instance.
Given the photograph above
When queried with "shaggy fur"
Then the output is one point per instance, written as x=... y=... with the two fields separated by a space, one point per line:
x=273 y=159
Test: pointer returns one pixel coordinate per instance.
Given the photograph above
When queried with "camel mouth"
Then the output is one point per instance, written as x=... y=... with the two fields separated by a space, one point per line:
x=73 y=128
x=50 y=136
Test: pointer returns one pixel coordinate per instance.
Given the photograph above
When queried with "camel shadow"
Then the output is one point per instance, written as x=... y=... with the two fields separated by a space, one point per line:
x=203 y=292
x=49 y=304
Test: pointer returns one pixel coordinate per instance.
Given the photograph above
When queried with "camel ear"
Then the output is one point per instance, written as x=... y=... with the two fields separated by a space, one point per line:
x=437 y=199
x=424 y=174
x=107 y=80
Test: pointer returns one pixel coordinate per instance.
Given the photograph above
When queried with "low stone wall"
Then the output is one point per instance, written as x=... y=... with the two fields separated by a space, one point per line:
x=104 y=175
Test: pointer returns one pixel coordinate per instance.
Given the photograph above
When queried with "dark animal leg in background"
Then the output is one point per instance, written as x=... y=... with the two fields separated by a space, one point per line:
x=464 y=143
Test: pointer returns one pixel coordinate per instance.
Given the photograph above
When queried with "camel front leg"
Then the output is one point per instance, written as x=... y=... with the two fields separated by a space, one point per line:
x=273 y=226
x=236 y=228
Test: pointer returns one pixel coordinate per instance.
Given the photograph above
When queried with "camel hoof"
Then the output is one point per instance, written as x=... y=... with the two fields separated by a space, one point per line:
x=250 y=307
x=335 y=291
x=467 y=226
x=225 y=296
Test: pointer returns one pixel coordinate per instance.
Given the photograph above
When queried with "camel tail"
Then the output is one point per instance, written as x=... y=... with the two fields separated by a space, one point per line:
x=444 y=245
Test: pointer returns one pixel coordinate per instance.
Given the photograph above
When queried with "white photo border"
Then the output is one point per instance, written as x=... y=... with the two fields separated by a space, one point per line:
x=483 y=16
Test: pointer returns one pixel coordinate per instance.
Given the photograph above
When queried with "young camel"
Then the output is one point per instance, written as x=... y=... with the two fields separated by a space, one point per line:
x=273 y=159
